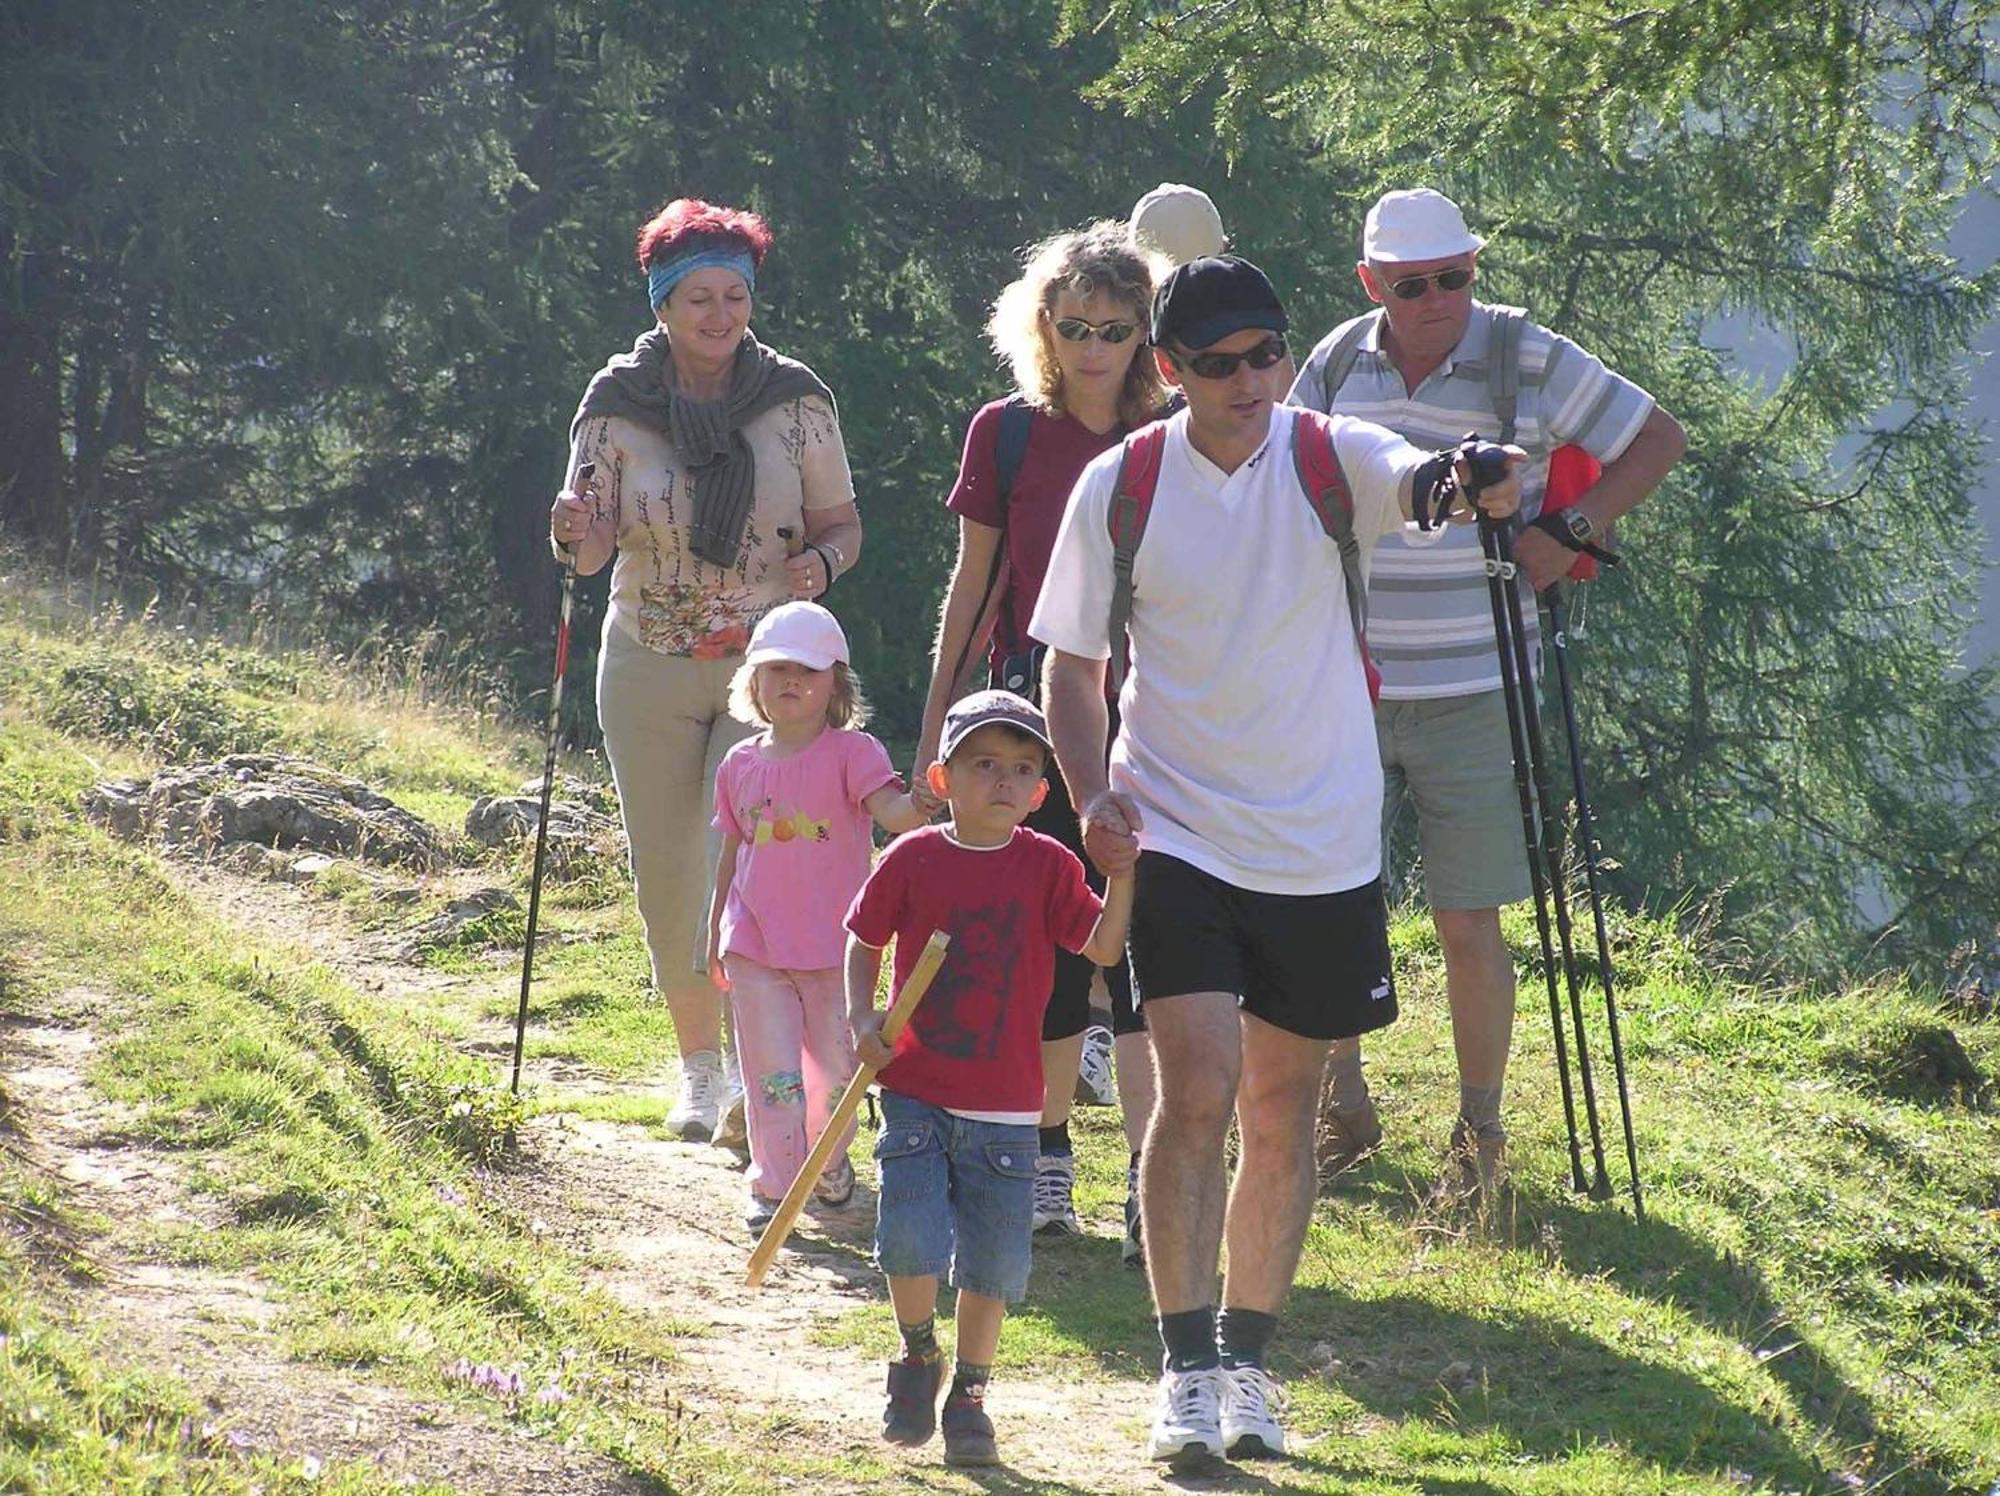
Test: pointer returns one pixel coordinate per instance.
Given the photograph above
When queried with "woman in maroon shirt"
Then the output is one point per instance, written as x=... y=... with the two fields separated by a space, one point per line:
x=1073 y=328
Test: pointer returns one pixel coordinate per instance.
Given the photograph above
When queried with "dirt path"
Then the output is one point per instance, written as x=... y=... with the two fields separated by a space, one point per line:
x=658 y=1224
x=215 y=1332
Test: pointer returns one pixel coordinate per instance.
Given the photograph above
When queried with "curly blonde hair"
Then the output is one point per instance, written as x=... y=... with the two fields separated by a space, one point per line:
x=846 y=707
x=1099 y=258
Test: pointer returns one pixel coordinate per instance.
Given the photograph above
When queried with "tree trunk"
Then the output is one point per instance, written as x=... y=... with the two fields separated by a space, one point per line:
x=32 y=502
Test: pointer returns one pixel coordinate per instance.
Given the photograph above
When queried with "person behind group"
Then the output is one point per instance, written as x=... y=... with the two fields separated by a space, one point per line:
x=962 y=1090
x=1244 y=791
x=1071 y=327
x=795 y=804
x=1178 y=223
x=1420 y=368
x=708 y=447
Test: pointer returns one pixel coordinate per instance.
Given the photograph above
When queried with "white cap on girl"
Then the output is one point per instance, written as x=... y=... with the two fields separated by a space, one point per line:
x=804 y=633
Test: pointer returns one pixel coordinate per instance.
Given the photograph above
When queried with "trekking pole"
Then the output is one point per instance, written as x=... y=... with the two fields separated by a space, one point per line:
x=928 y=962
x=1587 y=837
x=584 y=473
x=1500 y=594
x=1551 y=847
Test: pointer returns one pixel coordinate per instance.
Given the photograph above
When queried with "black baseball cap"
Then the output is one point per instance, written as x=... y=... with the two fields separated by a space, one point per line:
x=1206 y=300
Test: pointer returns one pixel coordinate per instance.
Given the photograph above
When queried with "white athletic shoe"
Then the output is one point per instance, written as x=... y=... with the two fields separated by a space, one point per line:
x=1055 y=1184
x=1187 y=1419
x=1094 y=1086
x=732 y=1127
x=1250 y=1400
x=694 y=1115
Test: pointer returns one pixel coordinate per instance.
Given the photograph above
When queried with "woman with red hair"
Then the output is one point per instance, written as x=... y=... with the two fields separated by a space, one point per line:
x=722 y=488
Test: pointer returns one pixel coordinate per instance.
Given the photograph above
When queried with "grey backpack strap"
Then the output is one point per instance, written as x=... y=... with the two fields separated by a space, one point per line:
x=1503 y=365
x=1131 y=507
x=1340 y=358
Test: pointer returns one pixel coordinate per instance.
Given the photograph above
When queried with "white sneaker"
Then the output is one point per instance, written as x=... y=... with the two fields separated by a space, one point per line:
x=1249 y=1418
x=1055 y=1184
x=693 y=1117
x=1187 y=1419
x=732 y=1128
x=1094 y=1086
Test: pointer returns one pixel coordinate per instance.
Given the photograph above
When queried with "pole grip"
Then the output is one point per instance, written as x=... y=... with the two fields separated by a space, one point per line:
x=850 y=1102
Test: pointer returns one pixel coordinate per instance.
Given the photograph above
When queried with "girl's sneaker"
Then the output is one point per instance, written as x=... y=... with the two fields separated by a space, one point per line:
x=759 y=1214
x=835 y=1187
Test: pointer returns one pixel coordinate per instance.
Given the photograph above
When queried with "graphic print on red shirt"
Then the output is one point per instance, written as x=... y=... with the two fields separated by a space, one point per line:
x=975 y=1042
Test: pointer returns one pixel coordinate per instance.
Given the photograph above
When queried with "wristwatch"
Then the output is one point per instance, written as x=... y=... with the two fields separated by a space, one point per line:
x=1579 y=525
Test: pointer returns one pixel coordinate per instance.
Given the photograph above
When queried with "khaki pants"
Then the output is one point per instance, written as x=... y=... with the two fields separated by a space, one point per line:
x=666 y=727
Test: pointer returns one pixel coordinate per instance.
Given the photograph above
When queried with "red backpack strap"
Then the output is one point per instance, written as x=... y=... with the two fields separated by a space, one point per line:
x=1318 y=467
x=1131 y=508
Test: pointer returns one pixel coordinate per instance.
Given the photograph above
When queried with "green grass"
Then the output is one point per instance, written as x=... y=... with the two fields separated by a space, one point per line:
x=1813 y=1304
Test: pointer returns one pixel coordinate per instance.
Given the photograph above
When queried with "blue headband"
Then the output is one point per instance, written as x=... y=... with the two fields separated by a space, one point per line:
x=662 y=278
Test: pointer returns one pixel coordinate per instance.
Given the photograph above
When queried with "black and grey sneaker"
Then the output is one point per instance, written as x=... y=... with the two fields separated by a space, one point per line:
x=910 y=1418
x=1055 y=1209
x=968 y=1433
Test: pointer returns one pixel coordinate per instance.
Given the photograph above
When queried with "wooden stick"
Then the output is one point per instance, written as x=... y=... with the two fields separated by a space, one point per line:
x=850 y=1103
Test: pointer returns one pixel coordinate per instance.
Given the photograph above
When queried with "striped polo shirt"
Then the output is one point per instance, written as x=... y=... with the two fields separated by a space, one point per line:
x=1430 y=617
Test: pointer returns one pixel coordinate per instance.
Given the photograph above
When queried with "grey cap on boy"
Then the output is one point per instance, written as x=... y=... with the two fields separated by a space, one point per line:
x=983 y=708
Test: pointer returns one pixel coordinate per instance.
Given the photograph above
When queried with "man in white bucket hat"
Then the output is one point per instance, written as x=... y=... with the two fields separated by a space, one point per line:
x=1419 y=365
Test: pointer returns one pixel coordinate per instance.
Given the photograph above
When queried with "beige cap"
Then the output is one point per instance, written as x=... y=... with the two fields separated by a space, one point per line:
x=1179 y=222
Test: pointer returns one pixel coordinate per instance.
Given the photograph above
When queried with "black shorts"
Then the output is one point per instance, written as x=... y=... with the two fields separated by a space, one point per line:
x=1315 y=965
x=1069 y=1000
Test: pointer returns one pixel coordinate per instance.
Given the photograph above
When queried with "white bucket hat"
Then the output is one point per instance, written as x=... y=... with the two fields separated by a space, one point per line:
x=1179 y=222
x=1415 y=224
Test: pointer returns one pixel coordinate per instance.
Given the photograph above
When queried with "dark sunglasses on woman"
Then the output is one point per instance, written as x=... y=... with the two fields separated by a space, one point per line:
x=1076 y=330
x=1222 y=365
x=1410 y=287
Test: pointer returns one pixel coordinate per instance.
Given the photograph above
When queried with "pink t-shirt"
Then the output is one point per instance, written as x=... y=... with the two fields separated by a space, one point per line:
x=806 y=845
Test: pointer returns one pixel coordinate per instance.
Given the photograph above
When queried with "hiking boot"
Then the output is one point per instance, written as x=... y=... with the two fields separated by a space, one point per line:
x=1250 y=1404
x=911 y=1415
x=968 y=1433
x=1475 y=1166
x=694 y=1116
x=1132 y=1251
x=758 y=1214
x=1187 y=1419
x=1347 y=1137
x=1094 y=1086
x=1055 y=1182
x=835 y=1185
x=732 y=1127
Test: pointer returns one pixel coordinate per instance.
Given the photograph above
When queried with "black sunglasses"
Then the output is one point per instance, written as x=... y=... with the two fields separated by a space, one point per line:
x=1076 y=330
x=1410 y=287
x=1222 y=365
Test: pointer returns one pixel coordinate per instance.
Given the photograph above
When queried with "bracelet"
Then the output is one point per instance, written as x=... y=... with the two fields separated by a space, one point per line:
x=826 y=554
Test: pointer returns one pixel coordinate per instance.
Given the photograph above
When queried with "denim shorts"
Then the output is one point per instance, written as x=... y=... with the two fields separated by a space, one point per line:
x=957 y=1198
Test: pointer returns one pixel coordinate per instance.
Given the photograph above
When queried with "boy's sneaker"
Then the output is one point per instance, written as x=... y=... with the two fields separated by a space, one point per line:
x=1187 y=1419
x=1250 y=1400
x=694 y=1115
x=1055 y=1183
x=835 y=1186
x=968 y=1433
x=732 y=1127
x=1132 y=1251
x=1094 y=1086
x=758 y=1214
x=911 y=1415
x=1347 y=1136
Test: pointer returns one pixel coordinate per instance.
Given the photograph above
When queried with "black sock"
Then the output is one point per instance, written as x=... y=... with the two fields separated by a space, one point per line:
x=1243 y=1335
x=1055 y=1140
x=1189 y=1338
x=920 y=1341
x=969 y=1381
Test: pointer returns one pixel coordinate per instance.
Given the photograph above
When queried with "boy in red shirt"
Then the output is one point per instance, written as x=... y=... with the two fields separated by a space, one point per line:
x=962 y=1089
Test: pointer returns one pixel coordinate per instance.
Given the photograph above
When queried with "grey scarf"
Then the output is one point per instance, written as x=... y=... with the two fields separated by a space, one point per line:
x=708 y=434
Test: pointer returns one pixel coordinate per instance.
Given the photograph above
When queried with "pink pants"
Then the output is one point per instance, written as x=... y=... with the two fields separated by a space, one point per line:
x=797 y=1056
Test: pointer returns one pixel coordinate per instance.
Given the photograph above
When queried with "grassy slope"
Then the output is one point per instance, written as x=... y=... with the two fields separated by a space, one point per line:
x=1811 y=1306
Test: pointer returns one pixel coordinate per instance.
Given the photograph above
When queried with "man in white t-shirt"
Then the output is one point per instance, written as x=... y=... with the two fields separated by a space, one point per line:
x=1246 y=786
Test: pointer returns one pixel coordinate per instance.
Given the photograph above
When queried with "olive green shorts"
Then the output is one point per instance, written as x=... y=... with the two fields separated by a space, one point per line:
x=1451 y=755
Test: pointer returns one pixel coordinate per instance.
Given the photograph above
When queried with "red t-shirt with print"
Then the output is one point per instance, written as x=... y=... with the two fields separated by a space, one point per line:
x=975 y=1041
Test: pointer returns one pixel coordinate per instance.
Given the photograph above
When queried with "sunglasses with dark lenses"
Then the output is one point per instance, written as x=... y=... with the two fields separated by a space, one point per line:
x=1222 y=365
x=1410 y=287
x=1076 y=330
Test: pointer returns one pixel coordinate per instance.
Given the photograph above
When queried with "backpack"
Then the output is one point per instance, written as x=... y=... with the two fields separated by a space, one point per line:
x=1320 y=478
x=1572 y=470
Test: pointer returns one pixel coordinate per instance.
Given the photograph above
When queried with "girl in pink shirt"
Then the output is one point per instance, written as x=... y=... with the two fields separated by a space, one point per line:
x=795 y=805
